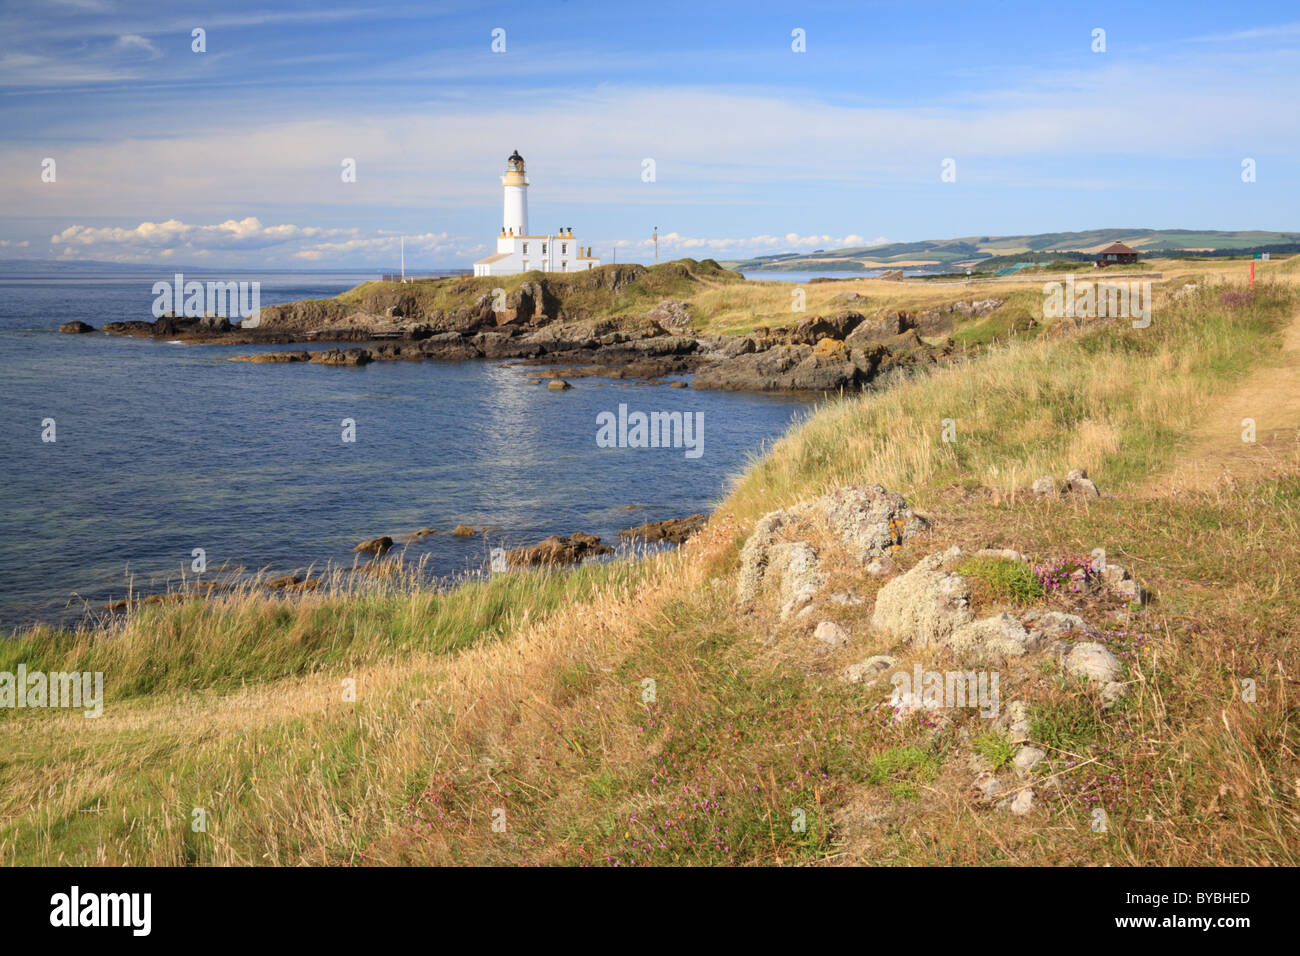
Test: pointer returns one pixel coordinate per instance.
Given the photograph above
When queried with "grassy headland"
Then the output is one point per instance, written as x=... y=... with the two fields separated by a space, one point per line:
x=529 y=694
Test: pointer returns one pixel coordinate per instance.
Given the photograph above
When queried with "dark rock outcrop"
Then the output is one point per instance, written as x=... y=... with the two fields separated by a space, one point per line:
x=341 y=357
x=76 y=328
x=674 y=530
x=557 y=550
x=374 y=545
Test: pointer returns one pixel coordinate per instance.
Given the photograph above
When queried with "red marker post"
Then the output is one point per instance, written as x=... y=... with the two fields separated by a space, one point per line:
x=1252 y=273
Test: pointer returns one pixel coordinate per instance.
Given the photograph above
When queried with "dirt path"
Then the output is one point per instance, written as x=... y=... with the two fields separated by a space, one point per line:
x=1218 y=456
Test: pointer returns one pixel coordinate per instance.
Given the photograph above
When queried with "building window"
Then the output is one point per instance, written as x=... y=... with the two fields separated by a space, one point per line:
x=564 y=248
x=525 y=248
x=564 y=265
x=543 y=248
x=525 y=265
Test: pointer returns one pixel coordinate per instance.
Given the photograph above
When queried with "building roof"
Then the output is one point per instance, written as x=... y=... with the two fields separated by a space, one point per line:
x=495 y=258
x=1118 y=248
x=513 y=156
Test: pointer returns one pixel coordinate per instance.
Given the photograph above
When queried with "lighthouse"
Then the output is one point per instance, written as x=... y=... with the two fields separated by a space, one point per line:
x=515 y=182
x=518 y=250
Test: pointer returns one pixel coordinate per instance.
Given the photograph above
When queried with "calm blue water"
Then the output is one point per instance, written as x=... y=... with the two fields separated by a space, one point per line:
x=161 y=449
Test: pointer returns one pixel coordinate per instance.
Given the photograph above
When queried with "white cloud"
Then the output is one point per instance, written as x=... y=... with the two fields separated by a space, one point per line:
x=134 y=43
x=249 y=238
x=341 y=248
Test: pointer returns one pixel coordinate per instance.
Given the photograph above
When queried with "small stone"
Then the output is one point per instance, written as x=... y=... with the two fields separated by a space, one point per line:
x=1014 y=721
x=1007 y=554
x=868 y=669
x=463 y=531
x=879 y=567
x=1085 y=487
x=1028 y=758
x=1045 y=485
x=828 y=632
x=1112 y=574
x=986 y=786
x=1022 y=802
x=1055 y=623
x=1131 y=591
x=810 y=610
x=1113 y=693
x=1093 y=661
x=558 y=385
x=1076 y=474
x=846 y=599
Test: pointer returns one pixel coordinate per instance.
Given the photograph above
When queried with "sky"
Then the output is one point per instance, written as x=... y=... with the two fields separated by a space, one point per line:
x=703 y=119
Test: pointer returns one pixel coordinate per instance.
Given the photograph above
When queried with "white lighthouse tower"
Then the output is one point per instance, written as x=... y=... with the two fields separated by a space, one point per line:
x=518 y=250
x=516 y=183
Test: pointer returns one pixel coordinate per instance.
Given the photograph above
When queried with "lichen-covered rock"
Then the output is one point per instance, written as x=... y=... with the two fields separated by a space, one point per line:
x=1020 y=804
x=1027 y=758
x=1131 y=591
x=828 y=632
x=1006 y=554
x=1045 y=485
x=1054 y=624
x=1013 y=721
x=870 y=520
x=990 y=639
x=1079 y=483
x=1093 y=661
x=926 y=604
x=754 y=555
x=796 y=572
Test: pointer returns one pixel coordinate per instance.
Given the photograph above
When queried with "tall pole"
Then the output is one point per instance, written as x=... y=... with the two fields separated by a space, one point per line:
x=403 y=258
x=656 y=245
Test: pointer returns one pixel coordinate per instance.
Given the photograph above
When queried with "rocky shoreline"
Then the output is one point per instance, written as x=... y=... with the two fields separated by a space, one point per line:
x=548 y=322
x=383 y=562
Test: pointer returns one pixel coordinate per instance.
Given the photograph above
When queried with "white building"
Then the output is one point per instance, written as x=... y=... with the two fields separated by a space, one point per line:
x=518 y=250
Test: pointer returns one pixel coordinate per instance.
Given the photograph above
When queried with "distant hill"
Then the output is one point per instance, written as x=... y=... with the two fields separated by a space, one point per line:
x=973 y=251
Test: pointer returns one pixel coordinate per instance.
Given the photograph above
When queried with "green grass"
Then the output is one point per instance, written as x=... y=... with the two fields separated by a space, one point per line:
x=994 y=748
x=1005 y=579
x=249 y=637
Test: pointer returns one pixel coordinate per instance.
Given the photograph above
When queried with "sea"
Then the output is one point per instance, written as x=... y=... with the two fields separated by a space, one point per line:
x=122 y=457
